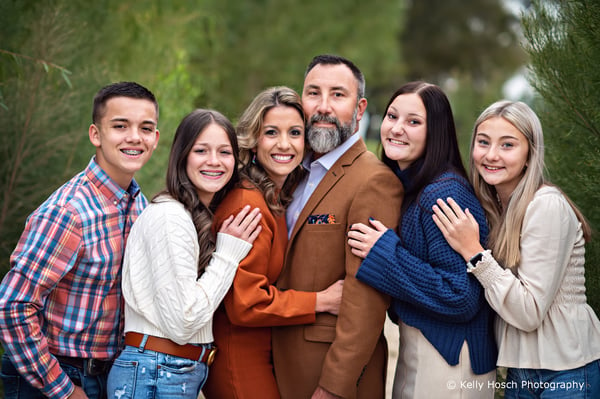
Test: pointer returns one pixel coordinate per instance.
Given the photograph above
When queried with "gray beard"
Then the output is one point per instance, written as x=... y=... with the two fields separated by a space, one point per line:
x=323 y=140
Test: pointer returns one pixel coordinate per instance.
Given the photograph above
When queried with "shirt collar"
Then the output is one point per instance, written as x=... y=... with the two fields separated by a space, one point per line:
x=107 y=186
x=327 y=160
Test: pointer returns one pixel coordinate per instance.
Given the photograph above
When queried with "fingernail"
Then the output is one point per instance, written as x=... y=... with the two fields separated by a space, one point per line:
x=370 y=218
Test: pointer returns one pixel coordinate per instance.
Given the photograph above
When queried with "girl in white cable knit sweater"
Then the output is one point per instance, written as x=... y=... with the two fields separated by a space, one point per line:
x=175 y=273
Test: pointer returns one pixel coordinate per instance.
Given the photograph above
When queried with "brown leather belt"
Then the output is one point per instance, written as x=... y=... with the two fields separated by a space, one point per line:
x=204 y=353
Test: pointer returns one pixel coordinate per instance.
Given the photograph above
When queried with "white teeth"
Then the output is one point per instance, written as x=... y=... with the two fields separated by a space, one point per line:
x=213 y=174
x=132 y=152
x=282 y=157
x=492 y=168
x=398 y=142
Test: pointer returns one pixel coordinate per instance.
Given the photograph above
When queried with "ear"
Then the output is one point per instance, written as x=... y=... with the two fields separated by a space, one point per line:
x=362 y=107
x=94 y=133
x=156 y=141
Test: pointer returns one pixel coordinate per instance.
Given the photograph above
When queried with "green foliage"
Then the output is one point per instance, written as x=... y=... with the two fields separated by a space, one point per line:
x=564 y=45
x=47 y=111
x=480 y=40
x=39 y=141
x=469 y=48
x=269 y=42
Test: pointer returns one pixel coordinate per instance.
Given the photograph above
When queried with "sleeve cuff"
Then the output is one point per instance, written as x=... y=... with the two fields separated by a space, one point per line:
x=372 y=269
x=232 y=247
x=486 y=270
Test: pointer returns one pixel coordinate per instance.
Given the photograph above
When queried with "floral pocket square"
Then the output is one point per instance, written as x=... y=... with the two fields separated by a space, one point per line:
x=324 y=218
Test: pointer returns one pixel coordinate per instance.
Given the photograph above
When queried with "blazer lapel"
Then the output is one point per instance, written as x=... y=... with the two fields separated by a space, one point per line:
x=329 y=181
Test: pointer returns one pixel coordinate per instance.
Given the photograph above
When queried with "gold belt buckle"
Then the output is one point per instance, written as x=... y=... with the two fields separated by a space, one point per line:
x=211 y=356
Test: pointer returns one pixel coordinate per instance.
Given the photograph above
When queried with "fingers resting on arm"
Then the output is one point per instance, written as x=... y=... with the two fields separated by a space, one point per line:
x=459 y=227
x=245 y=225
x=361 y=237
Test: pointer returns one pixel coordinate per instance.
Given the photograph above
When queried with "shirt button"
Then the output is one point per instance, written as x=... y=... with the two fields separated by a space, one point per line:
x=115 y=202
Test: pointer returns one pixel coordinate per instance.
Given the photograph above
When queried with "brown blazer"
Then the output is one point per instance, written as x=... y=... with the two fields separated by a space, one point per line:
x=347 y=354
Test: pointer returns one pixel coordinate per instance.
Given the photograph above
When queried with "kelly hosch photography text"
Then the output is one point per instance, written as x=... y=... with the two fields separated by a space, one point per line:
x=566 y=386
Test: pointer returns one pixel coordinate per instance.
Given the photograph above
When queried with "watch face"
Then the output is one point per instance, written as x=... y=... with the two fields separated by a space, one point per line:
x=473 y=261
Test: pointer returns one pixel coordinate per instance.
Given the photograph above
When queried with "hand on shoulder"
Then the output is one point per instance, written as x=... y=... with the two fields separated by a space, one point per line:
x=245 y=225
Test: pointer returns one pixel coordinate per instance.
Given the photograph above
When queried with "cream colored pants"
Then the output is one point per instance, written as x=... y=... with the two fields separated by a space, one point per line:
x=422 y=372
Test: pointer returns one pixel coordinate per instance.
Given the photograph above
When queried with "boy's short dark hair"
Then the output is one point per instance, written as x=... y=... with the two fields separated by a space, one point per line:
x=121 y=89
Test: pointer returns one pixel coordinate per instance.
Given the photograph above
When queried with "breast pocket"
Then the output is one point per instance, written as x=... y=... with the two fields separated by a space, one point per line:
x=322 y=249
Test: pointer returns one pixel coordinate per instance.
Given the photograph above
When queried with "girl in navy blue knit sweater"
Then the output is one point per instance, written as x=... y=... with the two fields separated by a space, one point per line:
x=447 y=347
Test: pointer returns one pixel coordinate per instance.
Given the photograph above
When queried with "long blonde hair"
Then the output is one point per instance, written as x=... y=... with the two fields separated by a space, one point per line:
x=505 y=224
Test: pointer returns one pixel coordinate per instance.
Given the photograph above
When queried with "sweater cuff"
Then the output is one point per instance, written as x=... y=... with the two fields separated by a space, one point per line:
x=232 y=247
x=372 y=269
x=487 y=269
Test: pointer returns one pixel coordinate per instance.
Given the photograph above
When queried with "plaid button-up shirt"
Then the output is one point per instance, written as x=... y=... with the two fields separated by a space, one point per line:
x=62 y=294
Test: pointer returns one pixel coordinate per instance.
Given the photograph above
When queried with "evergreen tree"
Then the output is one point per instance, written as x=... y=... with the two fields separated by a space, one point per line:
x=54 y=56
x=563 y=40
x=265 y=43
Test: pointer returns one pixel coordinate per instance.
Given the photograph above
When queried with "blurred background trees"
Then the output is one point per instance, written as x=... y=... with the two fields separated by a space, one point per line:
x=55 y=55
x=562 y=39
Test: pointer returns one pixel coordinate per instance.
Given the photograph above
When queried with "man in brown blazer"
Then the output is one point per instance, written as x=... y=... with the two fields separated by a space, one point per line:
x=345 y=355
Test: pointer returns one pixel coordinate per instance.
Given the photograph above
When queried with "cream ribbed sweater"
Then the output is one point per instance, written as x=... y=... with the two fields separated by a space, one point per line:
x=544 y=321
x=163 y=296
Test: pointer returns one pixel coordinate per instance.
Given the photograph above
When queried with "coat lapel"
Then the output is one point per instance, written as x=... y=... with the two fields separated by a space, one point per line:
x=329 y=181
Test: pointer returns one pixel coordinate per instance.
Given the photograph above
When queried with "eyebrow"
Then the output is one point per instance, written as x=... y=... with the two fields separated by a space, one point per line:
x=501 y=137
x=334 y=88
x=392 y=108
x=211 y=144
x=277 y=127
x=127 y=120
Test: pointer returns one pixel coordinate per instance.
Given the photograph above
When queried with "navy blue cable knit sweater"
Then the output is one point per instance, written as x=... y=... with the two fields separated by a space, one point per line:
x=428 y=280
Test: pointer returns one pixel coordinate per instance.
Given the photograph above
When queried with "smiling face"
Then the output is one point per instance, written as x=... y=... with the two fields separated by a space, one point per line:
x=125 y=137
x=500 y=154
x=404 y=129
x=330 y=101
x=210 y=163
x=280 y=146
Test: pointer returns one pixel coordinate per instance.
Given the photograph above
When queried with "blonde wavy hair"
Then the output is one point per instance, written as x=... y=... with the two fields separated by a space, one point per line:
x=505 y=224
x=250 y=128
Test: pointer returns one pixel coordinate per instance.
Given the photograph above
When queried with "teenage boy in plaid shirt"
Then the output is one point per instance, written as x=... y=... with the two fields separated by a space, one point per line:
x=60 y=303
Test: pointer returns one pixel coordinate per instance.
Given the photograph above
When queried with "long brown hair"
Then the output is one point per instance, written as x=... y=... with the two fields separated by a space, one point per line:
x=441 y=151
x=179 y=186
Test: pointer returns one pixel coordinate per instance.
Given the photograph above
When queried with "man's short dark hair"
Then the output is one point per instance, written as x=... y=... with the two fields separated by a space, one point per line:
x=330 y=59
x=120 y=89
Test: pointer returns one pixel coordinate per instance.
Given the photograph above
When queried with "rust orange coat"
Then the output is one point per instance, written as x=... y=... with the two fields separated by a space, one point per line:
x=243 y=366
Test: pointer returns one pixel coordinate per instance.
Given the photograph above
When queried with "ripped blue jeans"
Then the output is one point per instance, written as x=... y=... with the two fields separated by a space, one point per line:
x=143 y=374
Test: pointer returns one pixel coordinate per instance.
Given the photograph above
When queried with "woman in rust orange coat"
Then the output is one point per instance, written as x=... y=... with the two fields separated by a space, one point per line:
x=271 y=134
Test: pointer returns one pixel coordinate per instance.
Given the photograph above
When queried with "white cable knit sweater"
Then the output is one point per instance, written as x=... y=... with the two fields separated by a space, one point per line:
x=163 y=296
